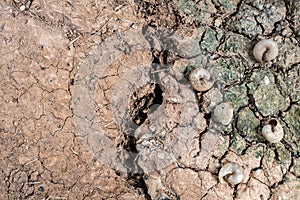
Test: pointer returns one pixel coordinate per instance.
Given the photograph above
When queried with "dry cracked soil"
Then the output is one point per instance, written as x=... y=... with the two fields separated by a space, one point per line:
x=96 y=103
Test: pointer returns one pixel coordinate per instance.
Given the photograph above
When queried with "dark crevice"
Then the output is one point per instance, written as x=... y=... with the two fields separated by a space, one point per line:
x=130 y=143
x=259 y=24
x=144 y=100
x=207 y=117
x=235 y=191
x=138 y=182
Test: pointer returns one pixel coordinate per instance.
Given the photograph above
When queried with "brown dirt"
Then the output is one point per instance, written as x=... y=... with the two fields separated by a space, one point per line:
x=43 y=47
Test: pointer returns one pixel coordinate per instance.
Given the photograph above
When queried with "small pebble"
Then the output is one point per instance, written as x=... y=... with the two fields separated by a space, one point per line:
x=22 y=8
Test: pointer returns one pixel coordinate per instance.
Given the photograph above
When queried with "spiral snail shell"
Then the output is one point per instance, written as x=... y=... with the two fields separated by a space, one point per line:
x=231 y=173
x=273 y=131
x=200 y=80
x=223 y=113
x=265 y=51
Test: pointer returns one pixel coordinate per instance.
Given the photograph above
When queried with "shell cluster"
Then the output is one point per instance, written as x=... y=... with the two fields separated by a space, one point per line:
x=231 y=173
x=273 y=131
x=223 y=113
x=265 y=50
x=200 y=80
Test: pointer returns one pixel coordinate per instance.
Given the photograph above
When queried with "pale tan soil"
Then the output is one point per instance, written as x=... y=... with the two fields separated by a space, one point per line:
x=43 y=156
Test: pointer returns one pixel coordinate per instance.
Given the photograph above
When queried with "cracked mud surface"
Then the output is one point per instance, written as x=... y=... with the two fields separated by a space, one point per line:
x=60 y=57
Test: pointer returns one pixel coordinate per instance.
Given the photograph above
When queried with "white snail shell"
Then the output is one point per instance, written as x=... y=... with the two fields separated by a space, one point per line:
x=231 y=173
x=200 y=80
x=273 y=131
x=265 y=51
x=223 y=113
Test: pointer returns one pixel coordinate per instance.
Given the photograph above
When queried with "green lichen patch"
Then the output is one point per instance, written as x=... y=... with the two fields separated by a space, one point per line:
x=292 y=128
x=228 y=70
x=262 y=76
x=248 y=124
x=293 y=120
x=257 y=19
x=238 y=46
x=256 y=151
x=244 y=22
x=237 y=95
x=283 y=155
x=238 y=143
x=228 y=6
x=268 y=99
x=199 y=12
x=270 y=13
x=294 y=9
x=296 y=167
x=269 y=155
x=211 y=39
x=289 y=83
x=289 y=53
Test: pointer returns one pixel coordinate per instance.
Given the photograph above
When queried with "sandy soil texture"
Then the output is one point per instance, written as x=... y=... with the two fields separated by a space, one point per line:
x=97 y=102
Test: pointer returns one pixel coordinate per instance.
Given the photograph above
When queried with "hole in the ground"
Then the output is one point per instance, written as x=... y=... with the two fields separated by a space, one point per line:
x=138 y=182
x=273 y=123
x=146 y=98
x=41 y=189
x=207 y=117
x=130 y=144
